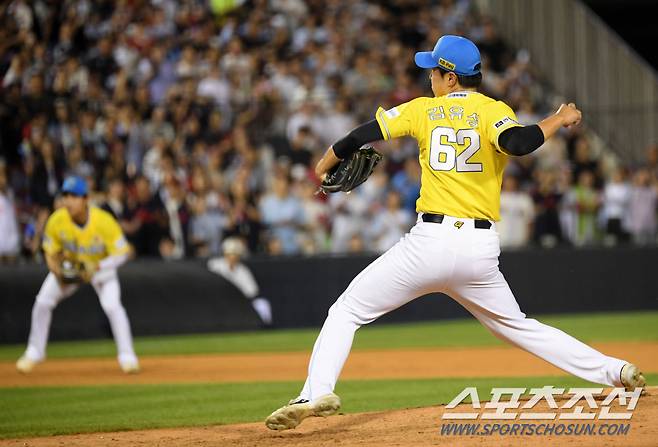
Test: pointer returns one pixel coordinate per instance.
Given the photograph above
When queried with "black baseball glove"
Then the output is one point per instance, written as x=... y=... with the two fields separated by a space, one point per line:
x=351 y=172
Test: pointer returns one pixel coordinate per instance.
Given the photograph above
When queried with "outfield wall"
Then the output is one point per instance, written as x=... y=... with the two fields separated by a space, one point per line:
x=182 y=297
x=160 y=297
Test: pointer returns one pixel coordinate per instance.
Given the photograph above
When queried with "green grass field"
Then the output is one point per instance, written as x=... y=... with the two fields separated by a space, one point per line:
x=41 y=411
x=587 y=327
x=56 y=410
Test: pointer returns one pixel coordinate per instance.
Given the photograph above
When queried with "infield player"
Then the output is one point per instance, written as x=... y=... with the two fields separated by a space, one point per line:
x=81 y=235
x=465 y=139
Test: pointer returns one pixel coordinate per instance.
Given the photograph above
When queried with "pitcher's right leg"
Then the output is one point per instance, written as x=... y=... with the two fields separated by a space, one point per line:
x=397 y=277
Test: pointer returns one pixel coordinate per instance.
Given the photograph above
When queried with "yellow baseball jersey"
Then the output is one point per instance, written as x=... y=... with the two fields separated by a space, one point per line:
x=99 y=238
x=461 y=162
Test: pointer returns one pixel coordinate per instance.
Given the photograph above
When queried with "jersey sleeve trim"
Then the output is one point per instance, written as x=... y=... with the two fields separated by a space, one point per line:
x=379 y=116
x=502 y=125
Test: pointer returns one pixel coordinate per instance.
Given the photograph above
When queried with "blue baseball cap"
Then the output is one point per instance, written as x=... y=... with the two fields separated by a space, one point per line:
x=452 y=53
x=75 y=185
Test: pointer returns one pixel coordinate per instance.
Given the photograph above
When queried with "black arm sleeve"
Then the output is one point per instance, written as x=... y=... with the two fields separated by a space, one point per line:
x=357 y=137
x=521 y=140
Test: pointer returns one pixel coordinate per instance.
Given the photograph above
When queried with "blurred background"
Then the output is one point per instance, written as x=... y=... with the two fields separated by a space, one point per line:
x=197 y=123
x=199 y=120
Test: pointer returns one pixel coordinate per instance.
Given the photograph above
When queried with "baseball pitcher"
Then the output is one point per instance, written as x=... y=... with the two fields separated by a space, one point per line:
x=465 y=139
x=82 y=244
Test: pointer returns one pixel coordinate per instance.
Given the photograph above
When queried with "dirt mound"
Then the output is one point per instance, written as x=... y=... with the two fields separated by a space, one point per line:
x=403 y=363
x=412 y=427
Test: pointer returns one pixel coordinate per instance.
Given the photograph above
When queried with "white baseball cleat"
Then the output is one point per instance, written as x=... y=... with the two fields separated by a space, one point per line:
x=631 y=377
x=131 y=367
x=291 y=415
x=25 y=364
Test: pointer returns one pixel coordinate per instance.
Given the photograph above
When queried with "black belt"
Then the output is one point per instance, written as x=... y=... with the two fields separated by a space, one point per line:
x=438 y=218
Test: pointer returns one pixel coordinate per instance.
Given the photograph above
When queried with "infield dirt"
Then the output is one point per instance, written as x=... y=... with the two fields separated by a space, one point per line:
x=404 y=428
x=410 y=427
x=407 y=363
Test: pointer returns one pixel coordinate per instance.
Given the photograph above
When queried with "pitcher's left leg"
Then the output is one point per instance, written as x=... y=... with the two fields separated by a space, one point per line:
x=109 y=294
x=494 y=305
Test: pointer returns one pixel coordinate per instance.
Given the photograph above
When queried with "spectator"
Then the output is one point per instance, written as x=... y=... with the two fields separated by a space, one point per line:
x=101 y=60
x=527 y=114
x=174 y=245
x=398 y=152
x=230 y=268
x=407 y=183
x=390 y=224
x=153 y=161
x=494 y=48
x=208 y=217
x=10 y=240
x=306 y=117
x=583 y=160
x=243 y=217
x=316 y=215
x=47 y=175
x=582 y=201
x=215 y=87
x=130 y=88
x=547 y=228
x=300 y=148
x=76 y=163
x=37 y=100
x=62 y=129
x=159 y=127
x=349 y=214
x=149 y=220
x=616 y=201
x=337 y=122
x=356 y=244
x=283 y=214
x=516 y=215
x=375 y=190
x=115 y=202
x=215 y=132
x=642 y=209
x=205 y=230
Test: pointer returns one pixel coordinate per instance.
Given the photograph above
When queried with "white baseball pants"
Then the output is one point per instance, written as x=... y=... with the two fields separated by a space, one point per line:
x=462 y=263
x=106 y=285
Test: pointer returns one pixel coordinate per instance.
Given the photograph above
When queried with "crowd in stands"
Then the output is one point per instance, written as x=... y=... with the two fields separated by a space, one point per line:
x=193 y=122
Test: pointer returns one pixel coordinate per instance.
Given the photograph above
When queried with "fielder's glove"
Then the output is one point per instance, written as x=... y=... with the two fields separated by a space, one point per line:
x=351 y=172
x=77 y=272
x=70 y=272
